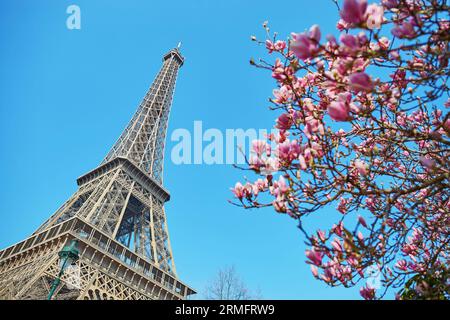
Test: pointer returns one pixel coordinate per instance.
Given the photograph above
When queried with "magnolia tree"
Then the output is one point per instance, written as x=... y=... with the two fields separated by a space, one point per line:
x=364 y=127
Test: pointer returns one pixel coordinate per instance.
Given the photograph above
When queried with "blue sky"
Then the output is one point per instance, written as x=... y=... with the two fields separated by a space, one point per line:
x=66 y=95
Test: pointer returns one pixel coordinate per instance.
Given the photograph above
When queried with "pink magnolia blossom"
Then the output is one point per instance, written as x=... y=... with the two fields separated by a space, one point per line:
x=306 y=46
x=280 y=187
x=337 y=245
x=288 y=150
x=280 y=45
x=314 y=33
x=277 y=46
x=362 y=221
x=360 y=236
x=302 y=162
x=256 y=162
x=361 y=167
x=314 y=257
x=390 y=4
x=342 y=25
x=401 y=265
x=271 y=165
x=354 y=11
x=404 y=30
x=280 y=72
x=375 y=16
x=427 y=162
x=314 y=271
x=269 y=46
x=313 y=126
x=360 y=81
x=238 y=190
x=339 y=110
x=447 y=103
x=279 y=205
x=260 y=146
x=284 y=121
x=384 y=43
x=338 y=229
x=350 y=42
x=321 y=235
x=282 y=95
x=367 y=293
x=258 y=186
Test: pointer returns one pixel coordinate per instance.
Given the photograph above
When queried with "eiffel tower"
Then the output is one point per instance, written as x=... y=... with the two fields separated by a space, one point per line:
x=116 y=219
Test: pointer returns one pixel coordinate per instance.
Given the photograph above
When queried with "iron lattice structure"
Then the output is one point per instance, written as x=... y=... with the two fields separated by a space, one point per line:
x=117 y=217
